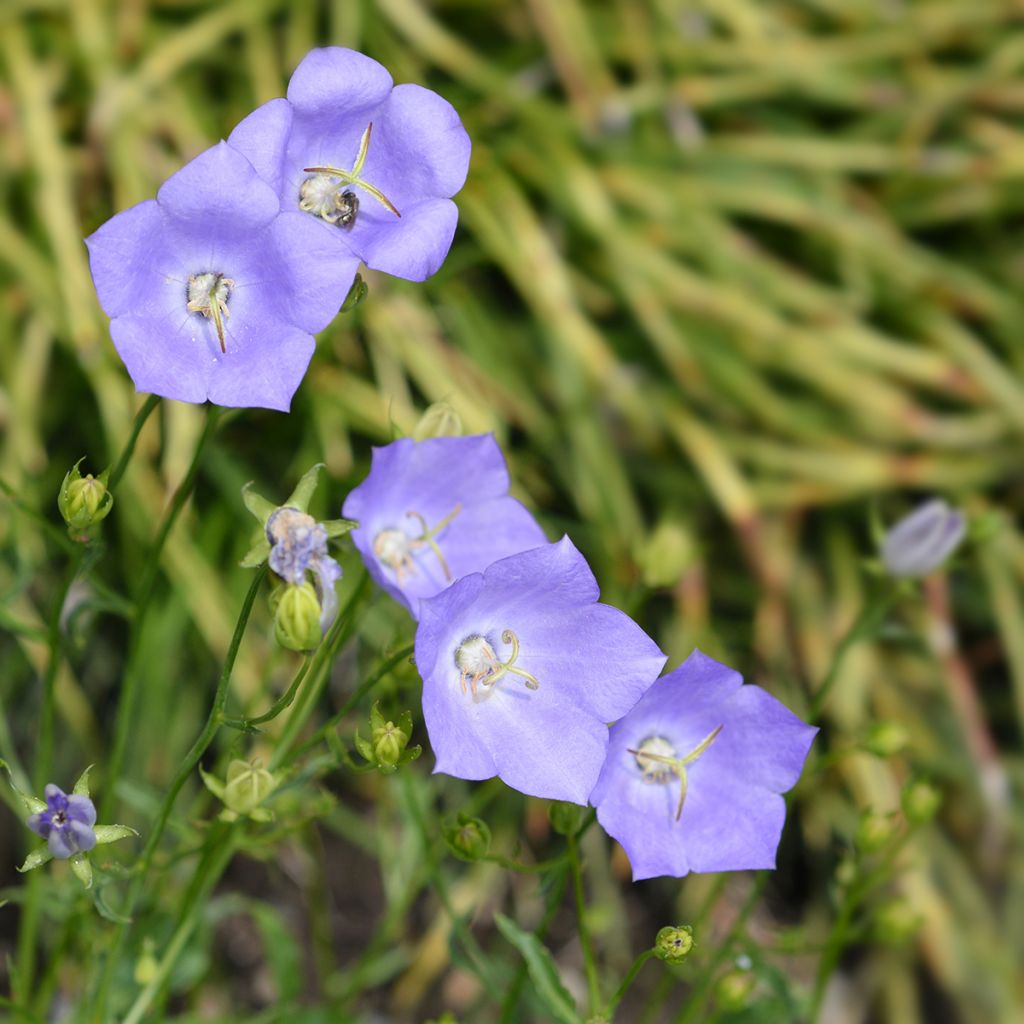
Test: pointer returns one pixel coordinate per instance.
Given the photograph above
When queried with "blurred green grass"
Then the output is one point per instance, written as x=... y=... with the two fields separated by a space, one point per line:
x=727 y=272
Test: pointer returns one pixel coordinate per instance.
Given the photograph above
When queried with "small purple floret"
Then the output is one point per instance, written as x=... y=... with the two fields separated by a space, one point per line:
x=66 y=824
x=433 y=511
x=416 y=158
x=523 y=669
x=214 y=293
x=921 y=541
x=298 y=545
x=750 y=748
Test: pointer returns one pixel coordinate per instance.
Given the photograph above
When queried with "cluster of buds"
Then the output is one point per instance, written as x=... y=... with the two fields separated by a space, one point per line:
x=388 y=748
x=84 y=502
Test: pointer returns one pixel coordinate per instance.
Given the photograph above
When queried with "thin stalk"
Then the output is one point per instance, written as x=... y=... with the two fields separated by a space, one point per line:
x=631 y=974
x=134 y=674
x=282 y=703
x=129 y=446
x=589 y=962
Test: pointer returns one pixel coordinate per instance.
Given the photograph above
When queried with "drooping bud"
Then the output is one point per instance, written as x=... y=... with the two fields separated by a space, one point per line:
x=565 y=817
x=83 y=502
x=387 y=748
x=438 y=420
x=921 y=802
x=673 y=944
x=885 y=739
x=467 y=837
x=923 y=540
x=297 y=617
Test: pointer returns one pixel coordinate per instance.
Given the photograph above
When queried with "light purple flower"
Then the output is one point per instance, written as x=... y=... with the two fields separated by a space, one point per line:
x=522 y=669
x=66 y=824
x=298 y=545
x=921 y=541
x=213 y=292
x=432 y=511
x=694 y=773
x=382 y=192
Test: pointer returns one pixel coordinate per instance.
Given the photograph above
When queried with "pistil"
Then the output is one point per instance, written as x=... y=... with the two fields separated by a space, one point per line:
x=478 y=662
x=395 y=547
x=208 y=295
x=656 y=757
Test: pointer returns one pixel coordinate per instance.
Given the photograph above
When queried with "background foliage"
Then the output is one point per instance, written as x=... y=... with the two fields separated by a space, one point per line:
x=729 y=275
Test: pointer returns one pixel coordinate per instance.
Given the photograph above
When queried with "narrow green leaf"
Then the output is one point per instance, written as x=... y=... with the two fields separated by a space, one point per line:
x=339 y=527
x=82 y=785
x=299 y=498
x=541 y=965
x=37 y=858
x=257 y=504
x=112 y=833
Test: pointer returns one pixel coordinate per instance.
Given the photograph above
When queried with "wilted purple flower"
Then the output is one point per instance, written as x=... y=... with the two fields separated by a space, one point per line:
x=522 y=669
x=923 y=540
x=66 y=824
x=213 y=292
x=373 y=163
x=298 y=545
x=694 y=773
x=432 y=511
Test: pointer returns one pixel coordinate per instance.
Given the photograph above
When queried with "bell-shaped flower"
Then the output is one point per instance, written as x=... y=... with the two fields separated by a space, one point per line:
x=694 y=773
x=372 y=164
x=921 y=541
x=432 y=511
x=523 y=669
x=213 y=292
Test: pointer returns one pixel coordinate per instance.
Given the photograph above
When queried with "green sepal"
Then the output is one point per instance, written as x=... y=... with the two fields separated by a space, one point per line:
x=257 y=554
x=339 y=527
x=261 y=814
x=112 y=833
x=364 y=747
x=356 y=294
x=212 y=783
x=82 y=868
x=36 y=859
x=82 y=785
x=257 y=504
x=31 y=804
x=299 y=498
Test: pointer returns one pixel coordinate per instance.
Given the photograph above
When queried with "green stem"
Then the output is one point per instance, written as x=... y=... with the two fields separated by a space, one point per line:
x=589 y=962
x=129 y=446
x=626 y=982
x=136 y=672
x=281 y=704
x=213 y=723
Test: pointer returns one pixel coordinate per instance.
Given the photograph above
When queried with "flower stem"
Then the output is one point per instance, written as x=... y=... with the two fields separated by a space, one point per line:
x=646 y=955
x=129 y=446
x=135 y=672
x=589 y=962
x=281 y=704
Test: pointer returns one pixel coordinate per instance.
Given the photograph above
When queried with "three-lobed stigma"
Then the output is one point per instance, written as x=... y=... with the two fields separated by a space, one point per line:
x=208 y=295
x=479 y=665
x=657 y=759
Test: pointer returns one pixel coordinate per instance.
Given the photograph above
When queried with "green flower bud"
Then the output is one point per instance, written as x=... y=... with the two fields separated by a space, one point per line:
x=565 y=817
x=83 y=502
x=468 y=838
x=896 y=923
x=874 y=831
x=297 y=617
x=673 y=944
x=439 y=420
x=248 y=785
x=666 y=554
x=886 y=739
x=733 y=989
x=387 y=748
x=921 y=802
x=846 y=872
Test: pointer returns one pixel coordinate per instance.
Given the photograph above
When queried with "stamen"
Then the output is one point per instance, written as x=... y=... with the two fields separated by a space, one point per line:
x=395 y=548
x=651 y=751
x=347 y=178
x=477 y=662
x=208 y=295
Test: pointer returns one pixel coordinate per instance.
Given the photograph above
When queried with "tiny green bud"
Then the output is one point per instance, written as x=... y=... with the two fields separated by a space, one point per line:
x=896 y=923
x=356 y=294
x=733 y=989
x=297 y=617
x=146 y=967
x=388 y=743
x=886 y=739
x=565 y=817
x=874 y=831
x=83 y=502
x=467 y=837
x=673 y=944
x=666 y=554
x=921 y=802
x=248 y=784
x=438 y=420
x=846 y=872
x=387 y=748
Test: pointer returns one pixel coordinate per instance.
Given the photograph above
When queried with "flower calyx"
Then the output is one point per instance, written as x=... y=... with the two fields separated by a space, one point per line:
x=656 y=758
x=468 y=838
x=478 y=663
x=394 y=548
x=327 y=194
x=388 y=748
x=84 y=501
x=245 y=788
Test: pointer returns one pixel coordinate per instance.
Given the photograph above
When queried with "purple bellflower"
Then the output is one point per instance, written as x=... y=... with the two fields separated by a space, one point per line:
x=694 y=773
x=921 y=541
x=298 y=545
x=522 y=669
x=66 y=824
x=432 y=511
x=374 y=164
x=213 y=292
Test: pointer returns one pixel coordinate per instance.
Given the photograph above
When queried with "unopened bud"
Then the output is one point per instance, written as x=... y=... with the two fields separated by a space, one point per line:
x=673 y=944
x=297 y=617
x=248 y=785
x=923 y=540
x=874 y=831
x=896 y=923
x=921 y=802
x=467 y=837
x=438 y=420
x=886 y=739
x=565 y=817
x=388 y=746
x=83 y=501
x=733 y=989
x=666 y=554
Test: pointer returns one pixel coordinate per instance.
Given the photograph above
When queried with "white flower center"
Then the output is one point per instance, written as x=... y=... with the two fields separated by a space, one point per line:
x=208 y=295
x=475 y=657
x=655 y=770
x=393 y=548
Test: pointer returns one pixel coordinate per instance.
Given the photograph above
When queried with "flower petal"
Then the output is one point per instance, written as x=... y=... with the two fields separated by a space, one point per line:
x=61 y=843
x=82 y=809
x=332 y=79
x=41 y=823
x=262 y=138
x=84 y=837
x=56 y=799
x=413 y=246
x=162 y=355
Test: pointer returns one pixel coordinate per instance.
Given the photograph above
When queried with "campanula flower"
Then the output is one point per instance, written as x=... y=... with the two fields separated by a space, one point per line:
x=371 y=164
x=432 y=511
x=522 y=669
x=924 y=539
x=213 y=292
x=694 y=773
x=66 y=824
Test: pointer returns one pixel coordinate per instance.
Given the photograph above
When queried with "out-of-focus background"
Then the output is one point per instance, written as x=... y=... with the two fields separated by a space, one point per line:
x=732 y=279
